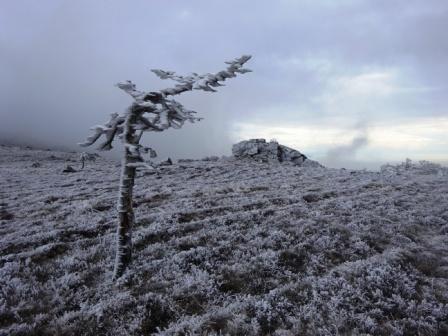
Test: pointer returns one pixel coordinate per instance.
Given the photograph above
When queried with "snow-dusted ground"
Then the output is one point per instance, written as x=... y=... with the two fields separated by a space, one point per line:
x=226 y=247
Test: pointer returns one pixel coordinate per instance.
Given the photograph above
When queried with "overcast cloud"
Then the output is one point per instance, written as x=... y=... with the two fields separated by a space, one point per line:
x=321 y=69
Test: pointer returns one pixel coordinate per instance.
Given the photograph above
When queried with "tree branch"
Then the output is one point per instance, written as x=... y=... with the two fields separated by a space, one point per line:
x=198 y=82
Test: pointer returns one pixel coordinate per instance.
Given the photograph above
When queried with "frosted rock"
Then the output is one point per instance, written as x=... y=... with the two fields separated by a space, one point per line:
x=69 y=169
x=167 y=162
x=260 y=150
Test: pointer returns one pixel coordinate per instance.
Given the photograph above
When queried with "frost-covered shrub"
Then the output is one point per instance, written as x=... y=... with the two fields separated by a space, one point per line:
x=419 y=168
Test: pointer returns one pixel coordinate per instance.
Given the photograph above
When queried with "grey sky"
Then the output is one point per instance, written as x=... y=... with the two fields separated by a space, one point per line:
x=326 y=73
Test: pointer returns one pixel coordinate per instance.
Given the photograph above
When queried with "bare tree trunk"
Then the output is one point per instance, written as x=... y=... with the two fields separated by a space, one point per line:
x=123 y=255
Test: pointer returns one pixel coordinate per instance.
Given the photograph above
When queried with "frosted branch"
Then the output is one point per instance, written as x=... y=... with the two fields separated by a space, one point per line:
x=109 y=130
x=130 y=89
x=198 y=82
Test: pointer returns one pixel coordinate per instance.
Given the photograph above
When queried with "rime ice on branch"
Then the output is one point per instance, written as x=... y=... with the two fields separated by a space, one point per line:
x=150 y=111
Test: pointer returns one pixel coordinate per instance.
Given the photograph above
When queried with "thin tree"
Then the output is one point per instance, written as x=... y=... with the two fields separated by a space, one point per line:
x=150 y=111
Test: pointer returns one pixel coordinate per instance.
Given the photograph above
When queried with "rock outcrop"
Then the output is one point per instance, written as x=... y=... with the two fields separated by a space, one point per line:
x=260 y=150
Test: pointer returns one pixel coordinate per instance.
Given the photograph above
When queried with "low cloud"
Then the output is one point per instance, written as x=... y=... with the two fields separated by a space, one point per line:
x=345 y=155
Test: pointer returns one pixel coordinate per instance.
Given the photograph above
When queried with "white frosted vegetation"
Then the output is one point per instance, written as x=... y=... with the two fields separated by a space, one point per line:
x=224 y=246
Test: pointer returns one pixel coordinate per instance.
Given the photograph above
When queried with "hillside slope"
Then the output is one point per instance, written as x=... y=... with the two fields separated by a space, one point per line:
x=230 y=247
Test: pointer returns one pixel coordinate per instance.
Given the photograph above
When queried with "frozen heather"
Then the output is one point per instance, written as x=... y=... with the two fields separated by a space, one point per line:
x=223 y=247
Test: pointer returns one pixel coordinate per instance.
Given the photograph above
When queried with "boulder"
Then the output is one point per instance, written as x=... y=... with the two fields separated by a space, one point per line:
x=167 y=162
x=260 y=150
x=69 y=169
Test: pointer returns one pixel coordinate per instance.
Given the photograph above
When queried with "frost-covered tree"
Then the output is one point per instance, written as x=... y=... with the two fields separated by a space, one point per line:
x=150 y=111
